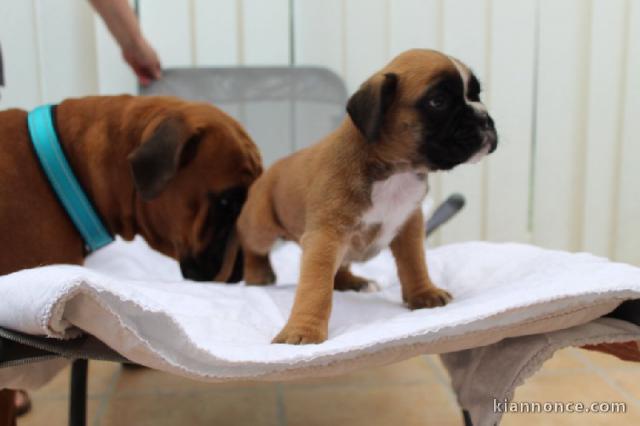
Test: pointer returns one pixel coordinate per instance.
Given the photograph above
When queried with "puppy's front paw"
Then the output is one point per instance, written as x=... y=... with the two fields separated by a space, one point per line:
x=429 y=298
x=293 y=334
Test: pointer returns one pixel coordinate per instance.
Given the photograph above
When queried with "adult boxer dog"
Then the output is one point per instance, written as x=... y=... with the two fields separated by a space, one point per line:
x=175 y=172
x=359 y=189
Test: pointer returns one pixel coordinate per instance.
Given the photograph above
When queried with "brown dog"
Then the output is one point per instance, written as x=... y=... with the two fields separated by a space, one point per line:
x=359 y=189
x=175 y=172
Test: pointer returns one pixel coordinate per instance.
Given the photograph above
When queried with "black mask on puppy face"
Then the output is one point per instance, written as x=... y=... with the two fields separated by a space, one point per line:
x=456 y=127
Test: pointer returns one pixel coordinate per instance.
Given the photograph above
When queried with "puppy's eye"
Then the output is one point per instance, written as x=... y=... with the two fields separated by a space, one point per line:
x=439 y=101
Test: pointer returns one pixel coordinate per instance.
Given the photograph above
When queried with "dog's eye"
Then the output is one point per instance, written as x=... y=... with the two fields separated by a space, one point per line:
x=439 y=101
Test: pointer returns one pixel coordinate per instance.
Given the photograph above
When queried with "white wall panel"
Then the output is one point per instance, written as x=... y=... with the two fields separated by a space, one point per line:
x=414 y=24
x=627 y=228
x=265 y=32
x=167 y=26
x=18 y=38
x=511 y=86
x=319 y=33
x=561 y=111
x=216 y=32
x=603 y=124
x=66 y=40
x=318 y=39
x=465 y=38
x=367 y=41
x=113 y=75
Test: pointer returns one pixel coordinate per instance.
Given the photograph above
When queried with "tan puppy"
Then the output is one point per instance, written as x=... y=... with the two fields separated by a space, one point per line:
x=359 y=189
x=174 y=172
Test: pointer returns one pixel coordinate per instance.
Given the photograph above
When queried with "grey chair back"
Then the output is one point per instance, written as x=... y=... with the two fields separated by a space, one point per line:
x=283 y=108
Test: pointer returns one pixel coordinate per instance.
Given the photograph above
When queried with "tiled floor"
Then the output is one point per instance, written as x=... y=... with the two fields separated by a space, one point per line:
x=414 y=392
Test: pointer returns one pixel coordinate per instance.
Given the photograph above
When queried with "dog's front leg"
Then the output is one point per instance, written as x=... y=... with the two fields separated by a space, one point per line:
x=408 y=249
x=322 y=252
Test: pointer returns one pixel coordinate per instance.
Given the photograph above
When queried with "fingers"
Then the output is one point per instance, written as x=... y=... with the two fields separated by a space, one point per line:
x=144 y=62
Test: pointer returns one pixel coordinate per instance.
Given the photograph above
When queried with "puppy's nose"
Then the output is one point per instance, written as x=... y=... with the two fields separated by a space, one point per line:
x=494 y=145
x=492 y=139
x=487 y=123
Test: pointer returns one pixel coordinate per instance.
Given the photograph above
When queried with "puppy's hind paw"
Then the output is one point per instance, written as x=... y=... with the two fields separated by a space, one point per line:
x=345 y=281
x=429 y=298
x=262 y=276
x=370 y=287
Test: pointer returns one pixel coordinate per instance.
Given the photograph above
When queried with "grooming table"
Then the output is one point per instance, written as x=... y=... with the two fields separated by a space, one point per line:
x=218 y=333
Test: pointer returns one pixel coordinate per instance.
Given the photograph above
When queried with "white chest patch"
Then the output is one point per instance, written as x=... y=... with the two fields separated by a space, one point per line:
x=394 y=199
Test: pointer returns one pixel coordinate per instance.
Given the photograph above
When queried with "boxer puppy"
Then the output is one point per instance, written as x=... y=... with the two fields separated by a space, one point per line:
x=175 y=172
x=359 y=189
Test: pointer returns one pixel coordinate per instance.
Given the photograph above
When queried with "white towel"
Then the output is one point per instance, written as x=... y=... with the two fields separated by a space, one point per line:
x=134 y=300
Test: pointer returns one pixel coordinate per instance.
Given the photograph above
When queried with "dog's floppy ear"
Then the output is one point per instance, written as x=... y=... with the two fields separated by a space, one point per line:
x=369 y=104
x=154 y=163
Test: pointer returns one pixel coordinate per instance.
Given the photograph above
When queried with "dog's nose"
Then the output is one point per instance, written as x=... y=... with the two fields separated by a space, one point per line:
x=487 y=123
x=492 y=139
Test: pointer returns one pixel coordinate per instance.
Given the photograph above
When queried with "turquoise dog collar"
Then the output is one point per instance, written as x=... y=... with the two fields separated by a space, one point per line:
x=66 y=186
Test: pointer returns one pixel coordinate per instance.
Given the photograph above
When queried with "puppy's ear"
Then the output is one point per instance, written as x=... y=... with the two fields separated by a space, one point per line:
x=154 y=163
x=368 y=105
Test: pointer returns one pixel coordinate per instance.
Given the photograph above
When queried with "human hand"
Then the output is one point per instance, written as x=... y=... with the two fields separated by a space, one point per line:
x=143 y=60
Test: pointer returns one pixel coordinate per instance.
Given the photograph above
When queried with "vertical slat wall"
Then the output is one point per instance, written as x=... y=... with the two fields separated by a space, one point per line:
x=414 y=23
x=366 y=39
x=560 y=79
x=216 y=32
x=20 y=51
x=320 y=34
x=112 y=73
x=563 y=77
x=66 y=49
x=627 y=207
x=265 y=27
x=511 y=98
x=603 y=124
x=167 y=25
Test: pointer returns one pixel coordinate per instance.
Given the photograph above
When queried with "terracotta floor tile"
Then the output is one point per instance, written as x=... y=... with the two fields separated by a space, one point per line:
x=53 y=412
x=373 y=405
x=413 y=392
x=573 y=419
x=606 y=361
x=145 y=381
x=564 y=361
x=101 y=375
x=436 y=364
x=248 y=406
x=410 y=371
x=629 y=381
x=581 y=387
